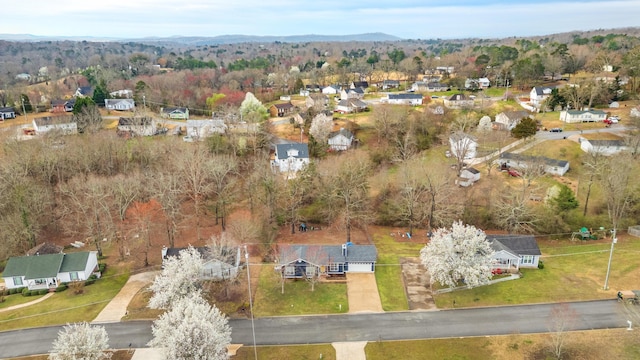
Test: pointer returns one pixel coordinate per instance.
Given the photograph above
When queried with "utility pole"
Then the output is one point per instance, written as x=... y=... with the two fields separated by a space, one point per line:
x=613 y=241
x=23 y=110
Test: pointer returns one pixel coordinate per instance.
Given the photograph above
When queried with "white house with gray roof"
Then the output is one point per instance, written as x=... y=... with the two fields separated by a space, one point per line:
x=580 y=116
x=403 y=99
x=300 y=261
x=340 y=140
x=520 y=161
x=512 y=252
x=290 y=158
x=538 y=94
x=604 y=147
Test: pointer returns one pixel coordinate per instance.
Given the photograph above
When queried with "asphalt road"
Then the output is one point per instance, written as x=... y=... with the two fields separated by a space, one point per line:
x=603 y=314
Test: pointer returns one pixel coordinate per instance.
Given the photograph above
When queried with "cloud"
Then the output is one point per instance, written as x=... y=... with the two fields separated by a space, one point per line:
x=404 y=18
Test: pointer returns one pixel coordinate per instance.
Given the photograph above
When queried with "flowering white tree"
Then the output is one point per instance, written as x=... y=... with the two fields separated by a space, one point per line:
x=81 y=341
x=252 y=109
x=460 y=253
x=179 y=278
x=192 y=330
x=320 y=128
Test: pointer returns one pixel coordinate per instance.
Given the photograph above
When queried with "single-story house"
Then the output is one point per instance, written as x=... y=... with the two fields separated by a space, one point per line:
x=214 y=269
x=511 y=118
x=318 y=101
x=300 y=261
x=175 y=113
x=468 y=176
x=351 y=105
x=7 y=113
x=389 y=84
x=137 y=126
x=280 y=110
x=519 y=161
x=463 y=145
x=290 y=158
x=604 y=147
x=435 y=86
x=58 y=106
x=331 y=90
x=578 y=116
x=313 y=87
x=512 y=252
x=538 y=94
x=359 y=84
x=481 y=83
x=64 y=124
x=340 y=140
x=457 y=101
x=50 y=270
x=403 y=99
x=355 y=93
x=199 y=129
x=419 y=86
x=119 y=104
x=83 y=91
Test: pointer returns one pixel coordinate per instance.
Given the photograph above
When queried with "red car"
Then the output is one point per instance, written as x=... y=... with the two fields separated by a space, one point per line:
x=513 y=173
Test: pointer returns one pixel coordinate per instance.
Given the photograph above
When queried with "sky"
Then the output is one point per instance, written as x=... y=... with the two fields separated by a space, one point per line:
x=408 y=19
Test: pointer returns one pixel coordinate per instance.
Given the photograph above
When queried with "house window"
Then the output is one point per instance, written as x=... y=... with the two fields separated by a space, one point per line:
x=333 y=267
x=289 y=270
x=17 y=281
x=73 y=276
x=527 y=260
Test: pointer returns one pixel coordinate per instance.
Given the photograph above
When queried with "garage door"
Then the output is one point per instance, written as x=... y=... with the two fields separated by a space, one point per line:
x=360 y=267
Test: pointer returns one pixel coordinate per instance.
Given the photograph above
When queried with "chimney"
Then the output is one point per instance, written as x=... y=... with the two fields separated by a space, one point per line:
x=344 y=250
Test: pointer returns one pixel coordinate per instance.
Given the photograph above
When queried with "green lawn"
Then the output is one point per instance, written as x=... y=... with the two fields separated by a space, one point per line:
x=298 y=299
x=389 y=272
x=301 y=352
x=572 y=271
x=66 y=307
x=17 y=299
x=469 y=348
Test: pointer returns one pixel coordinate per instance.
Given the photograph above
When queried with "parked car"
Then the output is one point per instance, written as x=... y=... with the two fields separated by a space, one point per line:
x=555 y=130
x=513 y=173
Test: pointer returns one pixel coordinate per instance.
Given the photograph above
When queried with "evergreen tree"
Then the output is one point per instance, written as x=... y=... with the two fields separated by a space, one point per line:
x=565 y=200
x=527 y=127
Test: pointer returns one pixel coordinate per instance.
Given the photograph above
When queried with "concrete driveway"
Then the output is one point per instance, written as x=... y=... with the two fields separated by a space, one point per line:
x=362 y=291
x=117 y=307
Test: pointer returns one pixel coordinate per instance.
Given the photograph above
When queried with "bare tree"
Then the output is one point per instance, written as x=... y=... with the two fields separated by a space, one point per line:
x=346 y=190
x=167 y=187
x=463 y=148
x=620 y=189
x=562 y=319
x=222 y=171
x=594 y=160
x=194 y=166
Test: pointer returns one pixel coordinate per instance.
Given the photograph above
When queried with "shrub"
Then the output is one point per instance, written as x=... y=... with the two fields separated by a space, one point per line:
x=61 y=287
x=540 y=265
x=26 y=293
x=6 y=292
x=89 y=281
x=43 y=292
x=102 y=267
x=12 y=291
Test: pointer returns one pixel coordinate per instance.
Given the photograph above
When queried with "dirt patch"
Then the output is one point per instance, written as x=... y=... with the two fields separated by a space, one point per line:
x=416 y=281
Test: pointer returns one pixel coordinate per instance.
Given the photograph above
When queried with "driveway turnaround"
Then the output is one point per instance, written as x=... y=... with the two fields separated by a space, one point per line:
x=362 y=291
x=117 y=307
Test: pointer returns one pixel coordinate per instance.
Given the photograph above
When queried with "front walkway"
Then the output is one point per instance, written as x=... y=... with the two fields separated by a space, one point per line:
x=353 y=350
x=48 y=295
x=116 y=309
x=362 y=292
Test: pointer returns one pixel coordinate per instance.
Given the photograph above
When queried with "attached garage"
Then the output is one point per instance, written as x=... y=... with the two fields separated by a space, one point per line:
x=360 y=267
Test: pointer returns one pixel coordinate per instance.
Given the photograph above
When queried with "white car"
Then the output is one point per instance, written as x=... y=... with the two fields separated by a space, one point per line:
x=187 y=139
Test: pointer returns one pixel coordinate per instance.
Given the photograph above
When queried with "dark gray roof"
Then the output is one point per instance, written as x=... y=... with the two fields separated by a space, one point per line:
x=285 y=106
x=303 y=150
x=332 y=253
x=204 y=253
x=6 y=110
x=529 y=158
x=352 y=102
x=518 y=244
x=174 y=109
x=472 y=170
x=458 y=97
x=516 y=115
x=405 y=96
x=141 y=121
x=362 y=84
x=344 y=132
x=53 y=120
x=540 y=89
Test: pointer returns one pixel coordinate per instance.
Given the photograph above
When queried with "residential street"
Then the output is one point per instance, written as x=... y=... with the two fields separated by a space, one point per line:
x=522 y=319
